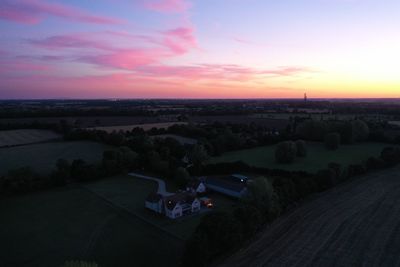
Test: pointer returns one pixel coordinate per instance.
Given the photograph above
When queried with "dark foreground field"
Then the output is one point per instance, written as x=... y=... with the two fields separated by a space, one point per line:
x=354 y=224
x=46 y=229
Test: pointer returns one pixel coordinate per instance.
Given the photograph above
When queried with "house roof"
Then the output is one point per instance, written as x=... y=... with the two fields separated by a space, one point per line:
x=153 y=197
x=194 y=183
x=225 y=182
x=181 y=198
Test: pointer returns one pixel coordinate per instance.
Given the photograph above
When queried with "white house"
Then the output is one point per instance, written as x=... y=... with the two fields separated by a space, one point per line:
x=181 y=204
x=173 y=206
x=196 y=186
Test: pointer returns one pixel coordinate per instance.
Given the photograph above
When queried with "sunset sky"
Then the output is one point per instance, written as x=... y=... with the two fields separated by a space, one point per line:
x=199 y=48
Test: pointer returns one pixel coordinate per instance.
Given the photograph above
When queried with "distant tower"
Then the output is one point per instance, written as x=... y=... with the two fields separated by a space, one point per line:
x=305 y=97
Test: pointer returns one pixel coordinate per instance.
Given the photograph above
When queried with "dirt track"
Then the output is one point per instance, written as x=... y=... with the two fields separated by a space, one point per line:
x=354 y=224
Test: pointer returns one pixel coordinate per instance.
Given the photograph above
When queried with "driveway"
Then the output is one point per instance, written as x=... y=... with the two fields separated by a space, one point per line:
x=162 y=188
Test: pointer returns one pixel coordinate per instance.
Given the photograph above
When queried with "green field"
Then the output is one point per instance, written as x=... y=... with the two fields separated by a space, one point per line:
x=318 y=156
x=104 y=221
x=42 y=157
x=48 y=228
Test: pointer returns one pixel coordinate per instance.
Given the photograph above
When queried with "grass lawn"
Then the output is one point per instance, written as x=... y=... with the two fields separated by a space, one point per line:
x=42 y=157
x=48 y=228
x=318 y=156
x=130 y=192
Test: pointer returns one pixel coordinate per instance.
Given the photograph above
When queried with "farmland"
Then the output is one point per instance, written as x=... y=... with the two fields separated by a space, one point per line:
x=354 y=224
x=146 y=126
x=104 y=221
x=318 y=156
x=42 y=157
x=84 y=121
x=26 y=136
x=48 y=228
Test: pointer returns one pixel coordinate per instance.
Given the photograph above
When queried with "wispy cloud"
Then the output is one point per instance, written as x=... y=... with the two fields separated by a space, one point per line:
x=167 y=6
x=97 y=49
x=34 y=11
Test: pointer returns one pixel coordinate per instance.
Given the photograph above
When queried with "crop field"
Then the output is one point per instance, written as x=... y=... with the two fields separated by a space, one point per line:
x=26 y=136
x=84 y=121
x=42 y=157
x=146 y=126
x=353 y=224
x=317 y=158
x=48 y=228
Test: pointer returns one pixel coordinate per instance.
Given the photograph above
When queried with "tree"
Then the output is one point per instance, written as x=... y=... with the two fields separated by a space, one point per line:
x=199 y=155
x=332 y=141
x=312 y=130
x=219 y=232
x=181 y=176
x=261 y=194
x=361 y=130
x=286 y=152
x=250 y=219
x=301 y=148
x=128 y=158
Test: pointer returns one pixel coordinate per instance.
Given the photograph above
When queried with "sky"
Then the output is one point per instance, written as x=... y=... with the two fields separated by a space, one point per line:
x=199 y=49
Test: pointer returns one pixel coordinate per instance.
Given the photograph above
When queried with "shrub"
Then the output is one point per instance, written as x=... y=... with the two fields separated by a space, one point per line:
x=301 y=148
x=374 y=163
x=356 y=169
x=286 y=152
x=332 y=141
x=325 y=179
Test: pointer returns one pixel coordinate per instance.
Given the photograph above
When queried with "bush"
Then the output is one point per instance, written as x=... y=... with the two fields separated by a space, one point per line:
x=301 y=148
x=332 y=141
x=325 y=179
x=374 y=163
x=286 y=152
x=181 y=176
x=356 y=169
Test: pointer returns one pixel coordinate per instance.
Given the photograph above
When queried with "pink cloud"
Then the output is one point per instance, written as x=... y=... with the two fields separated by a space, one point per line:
x=127 y=59
x=180 y=40
x=286 y=71
x=97 y=49
x=71 y=41
x=18 y=65
x=34 y=11
x=167 y=6
x=218 y=72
